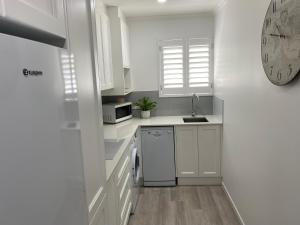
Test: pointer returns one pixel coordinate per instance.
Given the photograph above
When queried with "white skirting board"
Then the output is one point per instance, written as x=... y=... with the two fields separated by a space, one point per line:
x=233 y=204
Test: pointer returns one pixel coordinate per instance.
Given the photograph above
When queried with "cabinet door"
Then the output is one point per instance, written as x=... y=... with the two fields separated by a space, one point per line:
x=125 y=44
x=100 y=52
x=186 y=151
x=104 y=55
x=45 y=15
x=106 y=44
x=209 y=142
x=101 y=216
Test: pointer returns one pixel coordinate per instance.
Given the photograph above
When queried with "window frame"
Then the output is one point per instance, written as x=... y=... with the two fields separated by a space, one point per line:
x=186 y=91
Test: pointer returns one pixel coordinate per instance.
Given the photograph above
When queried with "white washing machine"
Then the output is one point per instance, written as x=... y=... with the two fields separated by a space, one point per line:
x=135 y=170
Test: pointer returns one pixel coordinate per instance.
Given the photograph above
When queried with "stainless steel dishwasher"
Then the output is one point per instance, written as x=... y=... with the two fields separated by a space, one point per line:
x=158 y=151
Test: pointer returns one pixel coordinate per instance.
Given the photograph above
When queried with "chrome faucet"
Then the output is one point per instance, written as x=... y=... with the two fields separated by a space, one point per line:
x=193 y=106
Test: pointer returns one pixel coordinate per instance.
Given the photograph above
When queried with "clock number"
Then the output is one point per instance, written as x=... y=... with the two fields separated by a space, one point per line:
x=268 y=22
x=271 y=72
x=274 y=6
x=279 y=75
x=266 y=58
x=265 y=40
x=290 y=71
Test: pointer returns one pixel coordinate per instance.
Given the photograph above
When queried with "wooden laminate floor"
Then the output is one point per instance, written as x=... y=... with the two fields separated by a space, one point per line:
x=184 y=205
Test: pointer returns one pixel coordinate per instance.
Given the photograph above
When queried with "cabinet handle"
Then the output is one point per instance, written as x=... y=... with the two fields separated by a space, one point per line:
x=124 y=185
x=122 y=170
x=209 y=173
x=187 y=173
x=127 y=214
x=125 y=204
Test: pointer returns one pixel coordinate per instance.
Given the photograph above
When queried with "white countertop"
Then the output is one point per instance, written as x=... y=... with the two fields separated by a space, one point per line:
x=110 y=165
x=126 y=130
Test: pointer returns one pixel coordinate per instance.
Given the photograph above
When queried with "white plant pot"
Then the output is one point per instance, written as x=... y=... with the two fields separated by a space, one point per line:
x=145 y=114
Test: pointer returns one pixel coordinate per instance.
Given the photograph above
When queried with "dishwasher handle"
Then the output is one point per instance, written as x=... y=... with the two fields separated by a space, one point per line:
x=155 y=134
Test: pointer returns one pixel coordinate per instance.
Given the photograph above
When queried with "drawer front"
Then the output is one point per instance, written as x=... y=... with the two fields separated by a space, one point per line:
x=123 y=193
x=125 y=209
x=125 y=222
x=122 y=168
x=122 y=180
x=101 y=214
x=124 y=186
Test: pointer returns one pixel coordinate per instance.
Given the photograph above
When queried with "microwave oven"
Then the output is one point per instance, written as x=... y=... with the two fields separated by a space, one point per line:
x=116 y=112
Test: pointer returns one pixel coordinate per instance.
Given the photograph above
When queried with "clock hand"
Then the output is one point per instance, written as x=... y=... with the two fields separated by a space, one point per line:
x=278 y=28
x=280 y=31
x=278 y=35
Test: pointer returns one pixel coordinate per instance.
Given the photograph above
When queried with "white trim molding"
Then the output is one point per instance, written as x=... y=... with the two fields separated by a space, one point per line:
x=233 y=204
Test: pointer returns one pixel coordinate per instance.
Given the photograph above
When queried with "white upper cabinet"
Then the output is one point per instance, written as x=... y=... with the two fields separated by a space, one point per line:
x=125 y=43
x=120 y=53
x=104 y=55
x=44 y=15
x=99 y=53
x=106 y=43
x=209 y=144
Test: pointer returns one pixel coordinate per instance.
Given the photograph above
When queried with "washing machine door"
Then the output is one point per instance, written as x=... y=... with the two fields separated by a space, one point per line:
x=135 y=159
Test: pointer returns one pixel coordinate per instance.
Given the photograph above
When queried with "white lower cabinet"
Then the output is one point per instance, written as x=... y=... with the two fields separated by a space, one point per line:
x=187 y=151
x=198 y=154
x=112 y=202
x=120 y=193
x=101 y=215
x=209 y=146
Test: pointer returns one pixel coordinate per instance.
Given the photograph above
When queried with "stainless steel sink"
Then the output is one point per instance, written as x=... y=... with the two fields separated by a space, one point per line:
x=195 y=120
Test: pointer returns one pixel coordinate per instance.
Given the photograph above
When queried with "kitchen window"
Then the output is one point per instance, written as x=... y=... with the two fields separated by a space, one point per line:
x=185 y=67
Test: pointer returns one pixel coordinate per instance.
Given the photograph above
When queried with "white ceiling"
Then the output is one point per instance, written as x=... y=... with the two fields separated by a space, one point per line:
x=152 y=7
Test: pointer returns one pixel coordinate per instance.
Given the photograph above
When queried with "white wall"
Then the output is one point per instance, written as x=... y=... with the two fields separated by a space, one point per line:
x=261 y=159
x=144 y=36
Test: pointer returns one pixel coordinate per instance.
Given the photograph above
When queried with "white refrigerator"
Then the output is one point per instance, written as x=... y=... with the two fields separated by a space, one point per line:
x=41 y=174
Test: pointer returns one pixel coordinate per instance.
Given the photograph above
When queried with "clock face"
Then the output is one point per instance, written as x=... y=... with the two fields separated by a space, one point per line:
x=280 y=43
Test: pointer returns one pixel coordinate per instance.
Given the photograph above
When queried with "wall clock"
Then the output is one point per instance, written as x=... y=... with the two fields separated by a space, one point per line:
x=280 y=43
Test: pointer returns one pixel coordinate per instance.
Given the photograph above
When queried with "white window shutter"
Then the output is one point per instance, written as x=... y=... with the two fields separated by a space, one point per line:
x=185 y=67
x=199 y=66
x=172 y=56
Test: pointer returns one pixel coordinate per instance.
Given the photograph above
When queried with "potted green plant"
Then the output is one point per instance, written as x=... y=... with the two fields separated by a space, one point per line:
x=146 y=105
